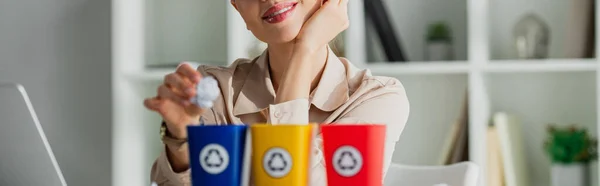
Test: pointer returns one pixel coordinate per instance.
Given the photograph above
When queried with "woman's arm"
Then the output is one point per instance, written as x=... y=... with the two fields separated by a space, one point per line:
x=296 y=80
x=294 y=88
x=172 y=166
x=291 y=102
x=163 y=170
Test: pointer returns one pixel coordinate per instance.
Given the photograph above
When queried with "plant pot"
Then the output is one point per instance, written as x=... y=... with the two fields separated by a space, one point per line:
x=438 y=51
x=570 y=174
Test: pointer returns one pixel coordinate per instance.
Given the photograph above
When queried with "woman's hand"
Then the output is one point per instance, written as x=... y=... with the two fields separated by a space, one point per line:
x=324 y=25
x=173 y=100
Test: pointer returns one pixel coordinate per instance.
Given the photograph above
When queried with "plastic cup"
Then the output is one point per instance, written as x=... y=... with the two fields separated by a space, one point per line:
x=218 y=155
x=281 y=154
x=354 y=154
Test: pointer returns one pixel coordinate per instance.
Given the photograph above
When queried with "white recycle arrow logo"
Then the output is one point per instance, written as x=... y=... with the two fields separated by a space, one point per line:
x=277 y=162
x=214 y=158
x=347 y=161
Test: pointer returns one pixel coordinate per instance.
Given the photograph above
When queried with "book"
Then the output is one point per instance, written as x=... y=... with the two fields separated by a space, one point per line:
x=495 y=170
x=449 y=143
x=456 y=147
x=511 y=148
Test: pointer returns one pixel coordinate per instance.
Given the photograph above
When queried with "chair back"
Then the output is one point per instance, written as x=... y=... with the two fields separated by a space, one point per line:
x=459 y=174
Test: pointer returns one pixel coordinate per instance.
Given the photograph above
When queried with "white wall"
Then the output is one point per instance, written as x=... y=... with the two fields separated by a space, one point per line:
x=540 y=99
x=565 y=20
x=187 y=30
x=411 y=18
x=60 y=51
x=423 y=139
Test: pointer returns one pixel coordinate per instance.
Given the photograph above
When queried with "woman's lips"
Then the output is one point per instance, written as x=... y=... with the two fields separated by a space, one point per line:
x=279 y=12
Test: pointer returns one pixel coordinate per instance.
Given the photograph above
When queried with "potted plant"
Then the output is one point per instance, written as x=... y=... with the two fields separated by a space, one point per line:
x=438 y=42
x=570 y=150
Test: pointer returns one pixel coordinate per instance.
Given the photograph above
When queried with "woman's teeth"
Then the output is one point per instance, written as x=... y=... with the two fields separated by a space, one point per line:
x=280 y=12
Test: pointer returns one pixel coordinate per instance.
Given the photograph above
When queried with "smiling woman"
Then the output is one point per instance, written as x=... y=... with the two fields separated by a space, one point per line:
x=298 y=79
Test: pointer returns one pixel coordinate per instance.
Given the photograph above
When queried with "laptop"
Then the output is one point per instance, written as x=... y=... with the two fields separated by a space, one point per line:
x=26 y=158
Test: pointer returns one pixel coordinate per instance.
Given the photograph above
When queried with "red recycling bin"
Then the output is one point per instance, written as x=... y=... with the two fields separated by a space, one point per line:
x=354 y=154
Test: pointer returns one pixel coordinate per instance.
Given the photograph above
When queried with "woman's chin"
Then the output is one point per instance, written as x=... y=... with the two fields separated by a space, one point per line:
x=282 y=34
x=281 y=38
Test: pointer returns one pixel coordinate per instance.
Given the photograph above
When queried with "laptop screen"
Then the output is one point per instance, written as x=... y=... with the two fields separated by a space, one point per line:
x=25 y=155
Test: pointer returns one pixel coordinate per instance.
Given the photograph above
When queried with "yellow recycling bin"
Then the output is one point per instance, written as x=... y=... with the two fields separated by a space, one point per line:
x=281 y=154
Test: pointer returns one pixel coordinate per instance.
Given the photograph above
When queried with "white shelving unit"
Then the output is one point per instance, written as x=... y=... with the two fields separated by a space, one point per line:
x=533 y=89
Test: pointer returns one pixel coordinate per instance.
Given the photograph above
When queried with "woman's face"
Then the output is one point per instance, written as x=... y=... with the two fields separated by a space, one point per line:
x=276 y=21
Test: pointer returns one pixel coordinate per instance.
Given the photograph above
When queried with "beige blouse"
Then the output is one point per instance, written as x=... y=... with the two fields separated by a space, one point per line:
x=345 y=94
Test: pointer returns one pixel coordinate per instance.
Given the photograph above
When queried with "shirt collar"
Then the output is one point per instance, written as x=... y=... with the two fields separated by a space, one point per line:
x=258 y=93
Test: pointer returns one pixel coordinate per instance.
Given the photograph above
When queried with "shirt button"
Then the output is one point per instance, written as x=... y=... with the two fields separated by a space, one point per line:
x=277 y=114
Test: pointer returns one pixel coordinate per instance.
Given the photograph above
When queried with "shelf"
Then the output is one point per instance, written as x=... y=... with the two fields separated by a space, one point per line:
x=549 y=65
x=412 y=20
x=437 y=67
x=448 y=94
x=429 y=67
x=154 y=32
x=569 y=23
x=539 y=99
x=156 y=74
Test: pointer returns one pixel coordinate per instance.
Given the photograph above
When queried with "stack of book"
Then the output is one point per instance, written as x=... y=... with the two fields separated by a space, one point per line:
x=506 y=161
x=456 y=148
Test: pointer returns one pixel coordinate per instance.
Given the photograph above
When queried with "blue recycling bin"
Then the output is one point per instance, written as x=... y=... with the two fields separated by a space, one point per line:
x=217 y=155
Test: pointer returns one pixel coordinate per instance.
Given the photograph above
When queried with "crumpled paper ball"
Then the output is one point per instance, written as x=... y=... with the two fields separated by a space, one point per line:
x=207 y=91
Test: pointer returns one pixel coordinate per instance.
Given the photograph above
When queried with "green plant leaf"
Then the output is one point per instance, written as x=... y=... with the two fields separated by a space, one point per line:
x=439 y=31
x=570 y=144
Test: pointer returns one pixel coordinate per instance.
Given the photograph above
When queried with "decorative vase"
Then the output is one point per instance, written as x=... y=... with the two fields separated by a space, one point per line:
x=575 y=174
x=531 y=37
x=438 y=51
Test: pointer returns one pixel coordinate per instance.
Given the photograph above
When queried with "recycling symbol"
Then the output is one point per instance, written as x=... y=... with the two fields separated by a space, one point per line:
x=214 y=158
x=277 y=162
x=347 y=161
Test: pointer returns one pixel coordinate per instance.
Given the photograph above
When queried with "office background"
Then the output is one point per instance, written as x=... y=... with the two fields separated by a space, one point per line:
x=60 y=51
x=88 y=64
